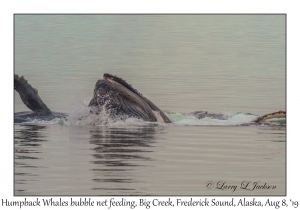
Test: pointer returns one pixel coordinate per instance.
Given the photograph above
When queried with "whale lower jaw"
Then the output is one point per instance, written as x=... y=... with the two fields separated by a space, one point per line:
x=158 y=117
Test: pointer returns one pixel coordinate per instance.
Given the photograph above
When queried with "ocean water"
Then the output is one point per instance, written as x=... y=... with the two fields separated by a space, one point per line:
x=230 y=64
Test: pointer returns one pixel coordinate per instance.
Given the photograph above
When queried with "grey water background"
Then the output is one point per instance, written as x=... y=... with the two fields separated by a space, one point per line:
x=183 y=63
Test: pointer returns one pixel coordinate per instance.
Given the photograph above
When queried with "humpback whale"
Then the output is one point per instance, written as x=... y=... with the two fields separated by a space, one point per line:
x=115 y=95
x=121 y=99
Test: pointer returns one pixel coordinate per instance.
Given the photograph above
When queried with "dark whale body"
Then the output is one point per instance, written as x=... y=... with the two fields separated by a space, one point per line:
x=115 y=95
x=20 y=117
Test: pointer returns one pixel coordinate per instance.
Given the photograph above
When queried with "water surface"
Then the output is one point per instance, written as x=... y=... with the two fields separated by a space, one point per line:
x=183 y=63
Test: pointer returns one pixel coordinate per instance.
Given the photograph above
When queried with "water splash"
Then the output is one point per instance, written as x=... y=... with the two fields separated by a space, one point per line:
x=83 y=115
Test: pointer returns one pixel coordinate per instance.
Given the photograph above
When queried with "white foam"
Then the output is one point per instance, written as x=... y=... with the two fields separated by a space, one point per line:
x=233 y=119
x=80 y=114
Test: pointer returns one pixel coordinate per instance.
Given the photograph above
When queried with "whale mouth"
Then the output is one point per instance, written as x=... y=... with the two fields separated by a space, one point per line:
x=121 y=99
x=280 y=114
